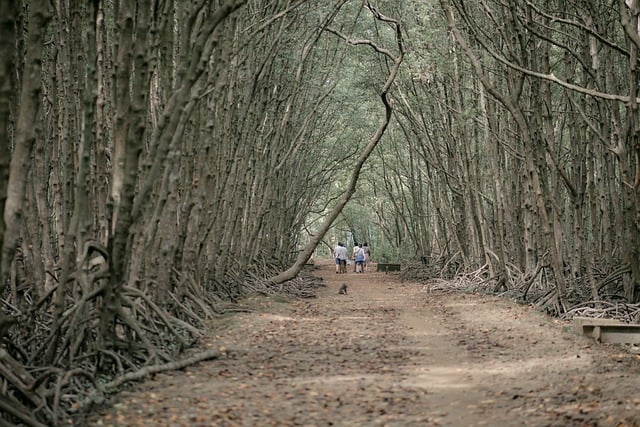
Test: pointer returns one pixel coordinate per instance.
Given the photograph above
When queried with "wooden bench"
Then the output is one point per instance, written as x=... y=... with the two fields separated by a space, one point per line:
x=607 y=330
x=386 y=267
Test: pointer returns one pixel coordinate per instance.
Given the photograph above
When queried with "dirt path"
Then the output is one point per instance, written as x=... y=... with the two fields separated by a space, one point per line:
x=392 y=354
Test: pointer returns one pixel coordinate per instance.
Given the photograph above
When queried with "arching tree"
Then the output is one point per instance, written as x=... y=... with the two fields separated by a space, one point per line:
x=157 y=157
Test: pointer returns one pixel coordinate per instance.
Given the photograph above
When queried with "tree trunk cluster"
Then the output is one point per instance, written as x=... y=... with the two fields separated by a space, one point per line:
x=516 y=147
x=157 y=158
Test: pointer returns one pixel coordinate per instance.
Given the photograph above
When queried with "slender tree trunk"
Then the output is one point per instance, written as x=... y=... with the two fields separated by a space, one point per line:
x=8 y=17
x=29 y=108
x=632 y=132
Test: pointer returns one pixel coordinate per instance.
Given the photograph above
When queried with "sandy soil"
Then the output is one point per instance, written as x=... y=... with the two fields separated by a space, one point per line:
x=391 y=354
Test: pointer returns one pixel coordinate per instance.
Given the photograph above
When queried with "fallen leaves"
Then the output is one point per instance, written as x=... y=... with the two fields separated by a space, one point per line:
x=356 y=362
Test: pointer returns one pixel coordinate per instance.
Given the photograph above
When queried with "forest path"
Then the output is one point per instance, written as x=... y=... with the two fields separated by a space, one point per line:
x=391 y=354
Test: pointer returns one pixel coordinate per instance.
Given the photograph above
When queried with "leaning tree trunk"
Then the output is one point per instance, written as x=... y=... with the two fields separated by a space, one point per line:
x=396 y=59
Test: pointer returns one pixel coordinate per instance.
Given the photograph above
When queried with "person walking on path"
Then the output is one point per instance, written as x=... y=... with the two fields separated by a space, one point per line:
x=340 y=255
x=359 y=257
x=354 y=253
x=367 y=256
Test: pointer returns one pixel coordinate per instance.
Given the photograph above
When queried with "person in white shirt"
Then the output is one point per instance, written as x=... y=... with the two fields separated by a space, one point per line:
x=340 y=255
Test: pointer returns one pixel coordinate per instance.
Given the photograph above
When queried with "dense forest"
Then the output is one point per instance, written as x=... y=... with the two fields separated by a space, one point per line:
x=161 y=159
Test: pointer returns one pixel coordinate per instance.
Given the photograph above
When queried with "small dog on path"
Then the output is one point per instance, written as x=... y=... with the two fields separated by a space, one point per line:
x=343 y=289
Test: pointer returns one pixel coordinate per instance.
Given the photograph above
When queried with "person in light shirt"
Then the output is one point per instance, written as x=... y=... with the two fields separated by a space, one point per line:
x=359 y=259
x=367 y=255
x=340 y=255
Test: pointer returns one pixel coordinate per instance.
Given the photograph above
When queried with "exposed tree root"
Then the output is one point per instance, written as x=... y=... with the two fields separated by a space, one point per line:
x=534 y=287
x=144 y=333
x=626 y=313
x=47 y=394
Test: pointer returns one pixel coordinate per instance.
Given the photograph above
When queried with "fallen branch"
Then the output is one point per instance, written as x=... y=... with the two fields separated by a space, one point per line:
x=171 y=366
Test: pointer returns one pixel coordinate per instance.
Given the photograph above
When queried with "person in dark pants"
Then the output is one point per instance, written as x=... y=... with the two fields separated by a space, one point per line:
x=359 y=260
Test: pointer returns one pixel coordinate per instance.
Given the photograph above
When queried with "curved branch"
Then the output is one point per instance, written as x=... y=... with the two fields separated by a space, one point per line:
x=307 y=251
